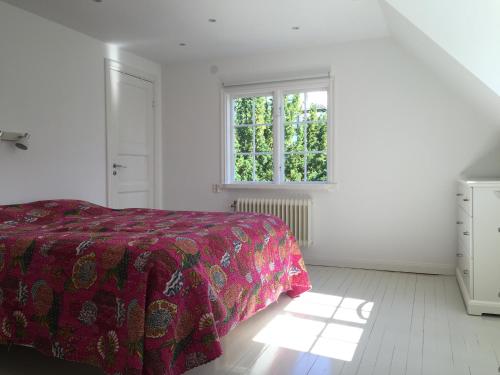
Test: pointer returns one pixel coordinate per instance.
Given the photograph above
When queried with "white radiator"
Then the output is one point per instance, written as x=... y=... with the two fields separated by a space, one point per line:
x=295 y=212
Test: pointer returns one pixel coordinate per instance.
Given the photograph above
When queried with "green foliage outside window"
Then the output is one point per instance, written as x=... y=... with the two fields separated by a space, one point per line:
x=305 y=139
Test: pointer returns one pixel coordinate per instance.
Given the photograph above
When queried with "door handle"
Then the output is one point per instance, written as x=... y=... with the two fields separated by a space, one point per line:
x=119 y=166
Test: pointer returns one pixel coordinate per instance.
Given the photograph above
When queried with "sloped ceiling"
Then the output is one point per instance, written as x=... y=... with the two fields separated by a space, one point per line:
x=442 y=62
x=467 y=30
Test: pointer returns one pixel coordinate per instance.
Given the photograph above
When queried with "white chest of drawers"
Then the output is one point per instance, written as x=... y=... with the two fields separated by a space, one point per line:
x=478 y=253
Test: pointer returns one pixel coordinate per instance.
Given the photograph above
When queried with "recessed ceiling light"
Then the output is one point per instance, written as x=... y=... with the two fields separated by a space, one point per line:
x=182 y=44
x=295 y=27
x=212 y=20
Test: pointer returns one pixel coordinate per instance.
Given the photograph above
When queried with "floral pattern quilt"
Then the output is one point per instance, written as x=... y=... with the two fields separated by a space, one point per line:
x=138 y=291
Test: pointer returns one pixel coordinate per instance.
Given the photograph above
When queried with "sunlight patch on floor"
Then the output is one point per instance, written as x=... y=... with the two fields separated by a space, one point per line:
x=322 y=324
x=336 y=349
x=290 y=332
x=338 y=341
x=315 y=304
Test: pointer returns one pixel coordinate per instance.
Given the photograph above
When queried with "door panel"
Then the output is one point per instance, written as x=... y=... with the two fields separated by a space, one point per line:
x=137 y=169
x=130 y=130
x=132 y=198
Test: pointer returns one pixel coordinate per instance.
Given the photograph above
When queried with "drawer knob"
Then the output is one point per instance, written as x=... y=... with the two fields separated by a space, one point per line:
x=459 y=194
x=461 y=222
x=460 y=255
x=465 y=200
x=466 y=272
x=466 y=233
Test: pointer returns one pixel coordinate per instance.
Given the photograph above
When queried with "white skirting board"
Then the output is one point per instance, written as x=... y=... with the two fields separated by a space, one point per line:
x=381 y=265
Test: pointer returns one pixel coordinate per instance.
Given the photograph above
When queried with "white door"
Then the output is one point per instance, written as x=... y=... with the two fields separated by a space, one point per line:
x=130 y=141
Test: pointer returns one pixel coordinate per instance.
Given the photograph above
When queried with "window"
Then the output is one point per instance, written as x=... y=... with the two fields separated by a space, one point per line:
x=278 y=134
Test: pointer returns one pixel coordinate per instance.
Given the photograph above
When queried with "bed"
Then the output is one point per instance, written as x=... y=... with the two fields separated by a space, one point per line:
x=137 y=291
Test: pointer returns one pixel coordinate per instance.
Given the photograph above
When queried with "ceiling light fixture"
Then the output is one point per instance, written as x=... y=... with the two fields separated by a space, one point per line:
x=295 y=27
x=212 y=20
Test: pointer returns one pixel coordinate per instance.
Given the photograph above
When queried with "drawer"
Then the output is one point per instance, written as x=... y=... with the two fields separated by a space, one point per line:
x=487 y=244
x=464 y=249
x=464 y=232
x=464 y=198
x=465 y=267
x=464 y=263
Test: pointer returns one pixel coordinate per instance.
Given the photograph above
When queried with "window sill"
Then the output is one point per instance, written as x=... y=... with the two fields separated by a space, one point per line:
x=308 y=187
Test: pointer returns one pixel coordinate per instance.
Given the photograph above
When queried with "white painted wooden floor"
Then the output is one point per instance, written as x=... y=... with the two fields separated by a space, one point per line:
x=352 y=322
x=359 y=322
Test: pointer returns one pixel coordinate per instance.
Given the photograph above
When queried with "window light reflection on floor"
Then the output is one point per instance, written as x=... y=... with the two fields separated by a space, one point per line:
x=315 y=304
x=290 y=332
x=322 y=324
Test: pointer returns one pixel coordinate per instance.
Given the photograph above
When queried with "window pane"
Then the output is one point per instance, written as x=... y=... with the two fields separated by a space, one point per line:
x=316 y=167
x=316 y=136
x=264 y=167
x=294 y=107
x=243 y=110
x=243 y=139
x=253 y=110
x=294 y=137
x=243 y=168
x=317 y=103
x=294 y=167
x=264 y=138
x=263 y=109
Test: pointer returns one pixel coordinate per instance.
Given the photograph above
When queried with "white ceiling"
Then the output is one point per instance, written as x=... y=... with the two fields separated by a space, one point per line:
x=154 y=28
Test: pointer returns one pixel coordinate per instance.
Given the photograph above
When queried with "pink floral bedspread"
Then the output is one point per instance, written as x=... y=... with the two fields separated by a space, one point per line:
x=137 y=291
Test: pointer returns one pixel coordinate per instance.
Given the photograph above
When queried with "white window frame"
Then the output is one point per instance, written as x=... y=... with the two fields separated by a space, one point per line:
x=278 y=90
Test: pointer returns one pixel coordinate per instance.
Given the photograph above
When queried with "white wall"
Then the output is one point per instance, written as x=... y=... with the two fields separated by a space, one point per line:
x=52 y=85
x=468 y=30
x=403 y=138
